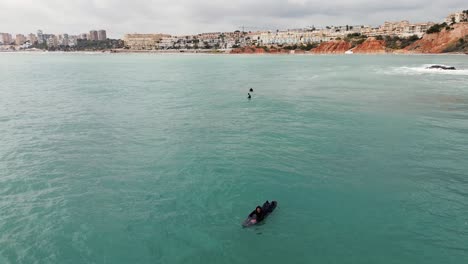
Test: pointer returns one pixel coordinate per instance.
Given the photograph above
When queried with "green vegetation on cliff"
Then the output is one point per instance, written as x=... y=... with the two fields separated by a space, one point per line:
x=459 y=46
x=437 y=28
x=397 y=42
x=355 y=39
x=307 y=46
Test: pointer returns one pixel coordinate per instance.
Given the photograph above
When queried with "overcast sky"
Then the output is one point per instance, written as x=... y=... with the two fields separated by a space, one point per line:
x=195 y=16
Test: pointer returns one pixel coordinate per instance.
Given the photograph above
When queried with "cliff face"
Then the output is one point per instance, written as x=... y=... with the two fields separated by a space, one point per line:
x=332 y=47
x=255 y=50
x=371 y=46
x=453 y=40
x=278 y=51
x=438 y=42
x=248 y=50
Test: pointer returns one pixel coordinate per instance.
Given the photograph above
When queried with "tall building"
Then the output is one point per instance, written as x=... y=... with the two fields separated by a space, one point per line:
x=93 y=35
x=32 y=38
x=40 y=37
x=52 y=41
x=73 y=40
x=20 y=39
x=102 y=35
x=5 y=38
x=63 y=39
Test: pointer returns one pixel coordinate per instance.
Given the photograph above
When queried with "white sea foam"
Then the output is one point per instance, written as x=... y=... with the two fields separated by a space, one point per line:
x=420 y=70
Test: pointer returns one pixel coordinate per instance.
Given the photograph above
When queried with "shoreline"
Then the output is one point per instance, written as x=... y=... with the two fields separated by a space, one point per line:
x=216 y=52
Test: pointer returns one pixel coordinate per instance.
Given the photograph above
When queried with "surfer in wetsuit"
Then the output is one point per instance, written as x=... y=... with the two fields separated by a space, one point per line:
x=251 y=90
x=249 y=96
x=259 y=213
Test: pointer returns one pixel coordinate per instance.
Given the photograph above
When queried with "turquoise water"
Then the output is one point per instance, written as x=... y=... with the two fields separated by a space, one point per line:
x=133 y=158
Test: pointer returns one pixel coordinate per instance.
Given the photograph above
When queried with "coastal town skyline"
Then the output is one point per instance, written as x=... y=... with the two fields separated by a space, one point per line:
x=103 y=34
x=301 y=38
x=182 y=18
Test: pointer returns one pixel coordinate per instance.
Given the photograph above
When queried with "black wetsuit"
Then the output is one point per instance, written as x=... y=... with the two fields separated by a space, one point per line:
x=260 y=216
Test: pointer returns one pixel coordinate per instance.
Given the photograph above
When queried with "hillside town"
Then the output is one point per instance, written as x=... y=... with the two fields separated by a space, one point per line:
x=305 y=38
x=229 y=40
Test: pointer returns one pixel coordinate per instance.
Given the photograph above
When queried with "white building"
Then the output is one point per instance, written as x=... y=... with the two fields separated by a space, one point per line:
x=40 y=37
x=102 y=35
x=143 y=41
x=63 y=40
x=20 y=39
x=457 y=17
x=401 y=29
x=167 y=42
x=297 y=37
x=93 y=35
x=32 y=38
x=52 y=41
x=73 y=40
x=418 y=29
x=5 y=38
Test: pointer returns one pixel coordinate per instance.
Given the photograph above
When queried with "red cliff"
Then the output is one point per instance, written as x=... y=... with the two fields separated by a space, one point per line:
x=438 y=42
x=255 y=50
x=371 y=46
x=332 y=47
x=248 y=50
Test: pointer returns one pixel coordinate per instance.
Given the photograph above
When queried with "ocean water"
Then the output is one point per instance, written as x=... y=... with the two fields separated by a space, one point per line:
x=133 y=158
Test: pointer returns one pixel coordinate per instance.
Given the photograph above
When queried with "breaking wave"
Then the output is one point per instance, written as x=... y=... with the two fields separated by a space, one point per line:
x=420 y=70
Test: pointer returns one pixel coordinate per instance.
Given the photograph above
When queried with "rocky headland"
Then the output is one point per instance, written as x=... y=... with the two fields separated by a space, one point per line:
x=442 y=39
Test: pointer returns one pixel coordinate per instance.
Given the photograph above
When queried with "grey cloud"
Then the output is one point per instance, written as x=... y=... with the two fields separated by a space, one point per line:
x=187 y=16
